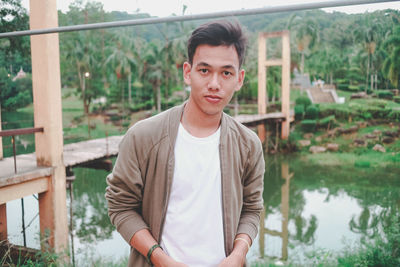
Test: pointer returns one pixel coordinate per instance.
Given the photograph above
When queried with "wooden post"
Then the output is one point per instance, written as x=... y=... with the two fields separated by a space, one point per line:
x=263 y=63
x=262 y=79
x=285 y=84
x=47 y=114
x=3 y=222
x=285 y=190
x=262 y=233
x=262 y=83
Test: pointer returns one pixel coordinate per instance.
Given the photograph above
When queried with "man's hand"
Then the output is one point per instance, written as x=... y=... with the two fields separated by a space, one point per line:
x=233 y=260
x=237 y=257
x=160 y=259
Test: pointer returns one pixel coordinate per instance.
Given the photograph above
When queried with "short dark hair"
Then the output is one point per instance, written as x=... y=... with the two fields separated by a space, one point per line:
x=216 y=33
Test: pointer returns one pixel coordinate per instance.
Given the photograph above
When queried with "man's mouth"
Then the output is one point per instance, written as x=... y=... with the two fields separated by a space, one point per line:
x=213 y=98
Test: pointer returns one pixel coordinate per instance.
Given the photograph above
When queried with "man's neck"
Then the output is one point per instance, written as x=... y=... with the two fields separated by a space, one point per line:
x=198 y=123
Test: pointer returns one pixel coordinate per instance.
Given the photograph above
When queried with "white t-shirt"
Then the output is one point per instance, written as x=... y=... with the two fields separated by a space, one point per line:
x=193 y=229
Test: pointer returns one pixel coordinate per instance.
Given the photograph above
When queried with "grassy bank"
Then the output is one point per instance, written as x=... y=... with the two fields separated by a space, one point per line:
x=360 y=132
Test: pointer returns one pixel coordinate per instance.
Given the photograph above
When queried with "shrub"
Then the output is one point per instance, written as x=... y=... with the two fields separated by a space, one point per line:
x=343 y=86
x=385 y=95
x=384 y=251
x=309 y=125
x=312 y=112
x=326 y=122
x=141 y=106
x=366 y=115
x=354 y=88
x=303 y=100
x=298 y=112
x=396 y=99
x=362 y=164
x=394 y=115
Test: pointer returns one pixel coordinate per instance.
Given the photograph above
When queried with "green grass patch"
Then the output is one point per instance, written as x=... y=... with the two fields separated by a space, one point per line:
x=371 y=158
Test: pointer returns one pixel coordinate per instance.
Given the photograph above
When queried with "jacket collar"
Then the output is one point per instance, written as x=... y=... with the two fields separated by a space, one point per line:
x=175 y=119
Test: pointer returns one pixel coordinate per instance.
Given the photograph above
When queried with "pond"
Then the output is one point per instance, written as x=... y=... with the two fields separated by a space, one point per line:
x=307 y=208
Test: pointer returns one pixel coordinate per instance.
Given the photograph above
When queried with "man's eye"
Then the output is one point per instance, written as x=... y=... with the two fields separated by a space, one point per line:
x=204 y=70
x=227 y=73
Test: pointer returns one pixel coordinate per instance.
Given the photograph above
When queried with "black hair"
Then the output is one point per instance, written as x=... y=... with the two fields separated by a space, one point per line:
x=216 y=33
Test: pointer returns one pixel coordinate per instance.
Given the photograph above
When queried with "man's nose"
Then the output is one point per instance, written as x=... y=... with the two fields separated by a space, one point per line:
x=214 y=83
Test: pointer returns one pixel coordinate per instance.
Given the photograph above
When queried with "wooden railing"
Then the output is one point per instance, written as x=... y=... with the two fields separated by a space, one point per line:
x=15 y=132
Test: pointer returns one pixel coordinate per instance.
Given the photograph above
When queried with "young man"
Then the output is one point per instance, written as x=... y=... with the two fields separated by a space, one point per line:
x=186 y=189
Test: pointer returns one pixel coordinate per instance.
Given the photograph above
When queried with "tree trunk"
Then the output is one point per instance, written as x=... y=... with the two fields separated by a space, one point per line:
x=158 y=98
x=372 y=82
x=166 y=93
x=331 y=78
x=366 y=82
x=83 y=89
x=129 y=89
x=302 y=63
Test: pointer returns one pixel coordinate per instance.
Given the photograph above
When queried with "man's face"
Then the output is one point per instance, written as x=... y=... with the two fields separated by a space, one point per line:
x=214 y=76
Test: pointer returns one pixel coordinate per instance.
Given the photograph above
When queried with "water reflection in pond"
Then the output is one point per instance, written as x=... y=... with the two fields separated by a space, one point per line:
x=309 y=208
x=306 y=208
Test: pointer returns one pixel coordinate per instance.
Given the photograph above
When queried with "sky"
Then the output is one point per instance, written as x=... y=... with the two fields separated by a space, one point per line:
x=164 y=8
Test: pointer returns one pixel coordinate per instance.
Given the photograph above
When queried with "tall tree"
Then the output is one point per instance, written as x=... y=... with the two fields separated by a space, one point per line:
x=123 y=60
x=153 y=71
x=368 y=32
x=306 y=35
x=391 y=65
x=81 y=56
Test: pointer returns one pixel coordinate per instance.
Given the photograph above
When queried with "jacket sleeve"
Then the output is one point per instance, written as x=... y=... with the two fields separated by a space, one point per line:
x=125 y=189
x=253 y=185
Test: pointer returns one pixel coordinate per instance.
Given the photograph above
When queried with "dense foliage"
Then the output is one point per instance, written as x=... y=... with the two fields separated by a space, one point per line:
x=141 y=66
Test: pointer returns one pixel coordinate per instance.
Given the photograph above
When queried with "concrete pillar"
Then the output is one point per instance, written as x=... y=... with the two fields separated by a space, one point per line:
x=285 y=84
x=48 y=114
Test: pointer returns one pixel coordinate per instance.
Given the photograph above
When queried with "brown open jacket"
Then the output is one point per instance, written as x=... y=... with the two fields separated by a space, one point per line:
x=139 y=186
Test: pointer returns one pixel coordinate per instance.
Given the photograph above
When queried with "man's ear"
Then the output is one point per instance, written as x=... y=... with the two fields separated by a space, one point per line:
x=241 y=76
x=186 y=72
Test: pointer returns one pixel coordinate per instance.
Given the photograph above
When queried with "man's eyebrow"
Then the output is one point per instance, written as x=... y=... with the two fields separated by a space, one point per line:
x=228 y=67
x=205 y=64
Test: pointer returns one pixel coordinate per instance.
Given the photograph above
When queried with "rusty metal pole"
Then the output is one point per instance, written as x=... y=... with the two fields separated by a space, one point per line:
x=23 y=220
x=15 y=153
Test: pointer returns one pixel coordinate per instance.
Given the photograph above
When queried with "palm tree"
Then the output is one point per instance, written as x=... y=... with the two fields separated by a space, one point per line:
x=306 y=35
x=391 y=65
x=123 y=60
x=369 y=32
x=82 y=60
x=154 y=71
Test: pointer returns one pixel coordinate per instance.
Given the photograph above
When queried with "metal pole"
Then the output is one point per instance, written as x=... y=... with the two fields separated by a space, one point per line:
x=23 y=221
x=14 y=152
x=107 y=154
x=243 y=12
x=71 y=221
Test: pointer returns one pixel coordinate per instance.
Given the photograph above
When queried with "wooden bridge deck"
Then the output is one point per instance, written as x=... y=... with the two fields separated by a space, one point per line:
x=74 y=154
x=255 y=119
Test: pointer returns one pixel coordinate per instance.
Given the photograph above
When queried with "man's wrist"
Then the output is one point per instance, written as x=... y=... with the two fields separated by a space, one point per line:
x=159 y=258
x=150 y=252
